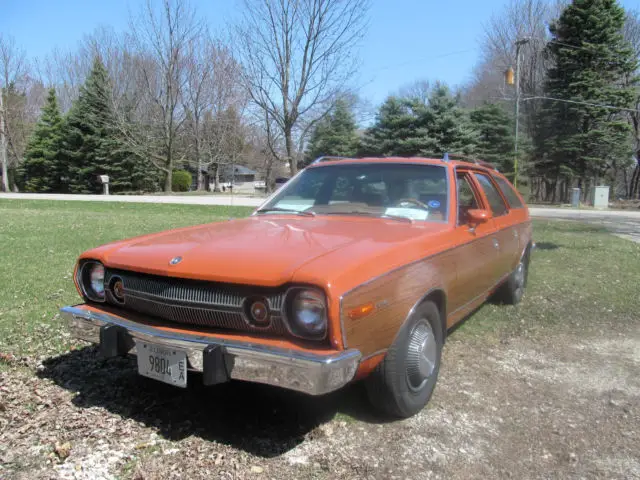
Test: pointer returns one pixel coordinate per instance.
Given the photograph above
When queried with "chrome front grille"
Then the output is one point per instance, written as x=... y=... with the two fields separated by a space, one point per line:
x=195 y=302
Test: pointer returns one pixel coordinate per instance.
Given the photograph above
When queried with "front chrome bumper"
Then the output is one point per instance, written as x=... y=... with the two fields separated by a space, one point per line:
x=307 y=372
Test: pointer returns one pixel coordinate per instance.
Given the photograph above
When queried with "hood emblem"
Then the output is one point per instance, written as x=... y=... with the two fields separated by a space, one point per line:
x=175 y=260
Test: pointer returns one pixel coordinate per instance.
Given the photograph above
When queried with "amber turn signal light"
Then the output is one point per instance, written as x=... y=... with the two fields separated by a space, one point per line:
x=361 y=311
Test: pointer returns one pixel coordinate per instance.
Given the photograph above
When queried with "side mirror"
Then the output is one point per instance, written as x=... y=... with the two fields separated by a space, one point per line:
x=477 y=217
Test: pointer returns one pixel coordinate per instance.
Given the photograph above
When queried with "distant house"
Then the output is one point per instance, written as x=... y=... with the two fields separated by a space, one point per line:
x=238 y=177
x=237 y=174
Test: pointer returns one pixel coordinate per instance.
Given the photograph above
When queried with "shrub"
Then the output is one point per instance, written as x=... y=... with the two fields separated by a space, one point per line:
x=181 y=181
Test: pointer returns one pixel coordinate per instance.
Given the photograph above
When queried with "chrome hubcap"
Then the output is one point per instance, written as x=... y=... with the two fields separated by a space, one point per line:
x=422 y=355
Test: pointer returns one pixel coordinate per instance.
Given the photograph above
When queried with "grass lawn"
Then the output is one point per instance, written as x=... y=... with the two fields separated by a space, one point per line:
x=39 y=244
x=579 y=273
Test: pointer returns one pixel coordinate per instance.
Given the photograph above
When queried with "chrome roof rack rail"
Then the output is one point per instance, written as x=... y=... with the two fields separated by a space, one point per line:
x=328 y=158
x=475 y=161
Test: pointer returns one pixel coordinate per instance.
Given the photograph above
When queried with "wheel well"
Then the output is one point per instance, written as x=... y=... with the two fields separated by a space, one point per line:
x=440 y=299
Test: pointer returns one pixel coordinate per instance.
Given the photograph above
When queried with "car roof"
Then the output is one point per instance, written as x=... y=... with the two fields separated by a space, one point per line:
x=478 y=164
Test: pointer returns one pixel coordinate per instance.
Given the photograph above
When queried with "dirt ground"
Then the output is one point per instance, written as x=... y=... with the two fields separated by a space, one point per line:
x=520 y=406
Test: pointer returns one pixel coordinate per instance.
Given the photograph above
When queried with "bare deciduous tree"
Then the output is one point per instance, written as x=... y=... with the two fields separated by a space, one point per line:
x=161 y=40
x=520 y=19
x=13 y=70
x=297 y=55
x=212 y=91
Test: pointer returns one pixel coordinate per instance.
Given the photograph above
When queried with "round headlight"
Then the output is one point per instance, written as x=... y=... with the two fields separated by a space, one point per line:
x=93 y=281
x=309 y=314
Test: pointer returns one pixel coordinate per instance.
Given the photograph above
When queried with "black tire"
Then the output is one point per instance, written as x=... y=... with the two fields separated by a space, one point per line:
x=398 y=387
x=512 y=290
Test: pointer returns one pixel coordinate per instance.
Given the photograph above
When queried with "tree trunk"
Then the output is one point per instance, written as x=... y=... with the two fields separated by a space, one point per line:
x=200 y=176
x=216 y=179
x=200 y=182
x=633 y=184
x=587 y=191
x=3 y=149
x=3 y=160
x=288 y=141
x=167 y=181
x=627 y=184
x=267 y=177
x=169 y=177
x=548 y=192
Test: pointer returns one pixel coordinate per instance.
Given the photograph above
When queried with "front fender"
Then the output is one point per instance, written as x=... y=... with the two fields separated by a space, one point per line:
x=393 y=294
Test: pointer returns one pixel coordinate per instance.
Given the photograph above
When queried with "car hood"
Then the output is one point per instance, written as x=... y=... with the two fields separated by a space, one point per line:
x=260 y=250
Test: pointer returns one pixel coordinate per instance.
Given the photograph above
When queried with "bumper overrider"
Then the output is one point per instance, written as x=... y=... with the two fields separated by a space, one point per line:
x=219 y=359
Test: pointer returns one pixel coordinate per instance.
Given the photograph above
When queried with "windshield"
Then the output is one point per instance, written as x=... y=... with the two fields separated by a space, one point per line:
x=417 y=192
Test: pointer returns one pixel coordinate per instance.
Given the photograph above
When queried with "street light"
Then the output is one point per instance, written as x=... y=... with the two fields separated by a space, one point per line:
x=510 y=80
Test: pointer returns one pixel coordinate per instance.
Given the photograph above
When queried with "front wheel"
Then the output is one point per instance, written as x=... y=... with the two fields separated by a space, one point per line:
x=405 y=380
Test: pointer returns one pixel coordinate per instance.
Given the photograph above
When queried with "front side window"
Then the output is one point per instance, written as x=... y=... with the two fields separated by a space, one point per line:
x=496 y=203
x=466 y=198
x=418 y=192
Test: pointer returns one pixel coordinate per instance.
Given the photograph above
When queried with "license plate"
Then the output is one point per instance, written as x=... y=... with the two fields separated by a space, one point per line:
x=162 y=363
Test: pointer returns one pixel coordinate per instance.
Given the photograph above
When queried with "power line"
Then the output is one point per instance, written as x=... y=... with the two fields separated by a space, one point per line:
x=600 y=105
x=577 y=47
x=422 y=59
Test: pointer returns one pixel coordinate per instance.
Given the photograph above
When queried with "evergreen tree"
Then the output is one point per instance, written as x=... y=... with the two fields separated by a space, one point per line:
x=334 y=135
x=447 y=123
x=495 y=141
x=590 y=60
x=41 y=170
x=87 y=144
x=398 y=129
x=409 y=127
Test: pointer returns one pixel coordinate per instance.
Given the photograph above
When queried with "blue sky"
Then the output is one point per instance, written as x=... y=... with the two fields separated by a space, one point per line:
x=407 y=40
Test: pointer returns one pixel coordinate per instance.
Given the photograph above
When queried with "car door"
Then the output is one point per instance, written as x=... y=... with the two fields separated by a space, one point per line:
x=506 y=235
x=476 y=258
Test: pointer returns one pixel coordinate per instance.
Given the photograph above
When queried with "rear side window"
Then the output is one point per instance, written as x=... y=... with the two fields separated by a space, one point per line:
x=509 y=193
x=496 y=203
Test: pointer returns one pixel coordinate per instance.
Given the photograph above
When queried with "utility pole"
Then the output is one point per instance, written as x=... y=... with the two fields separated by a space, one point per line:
x=3 y=145
x=516 y=81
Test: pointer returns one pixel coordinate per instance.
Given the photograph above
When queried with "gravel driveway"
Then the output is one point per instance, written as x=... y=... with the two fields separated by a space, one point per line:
x=623 y=223
x=565 y=406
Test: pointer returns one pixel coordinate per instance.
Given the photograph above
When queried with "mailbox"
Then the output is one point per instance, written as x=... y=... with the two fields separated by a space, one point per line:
x=104 y=179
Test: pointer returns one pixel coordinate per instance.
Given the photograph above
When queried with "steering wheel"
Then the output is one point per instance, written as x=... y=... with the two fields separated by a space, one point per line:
x=413 y=201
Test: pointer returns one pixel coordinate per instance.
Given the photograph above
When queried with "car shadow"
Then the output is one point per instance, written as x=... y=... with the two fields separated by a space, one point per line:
x=262 y=420
x=547 y=246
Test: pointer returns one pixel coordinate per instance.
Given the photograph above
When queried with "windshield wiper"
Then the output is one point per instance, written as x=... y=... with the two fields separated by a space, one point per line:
x=368 y=214
x=304 y=213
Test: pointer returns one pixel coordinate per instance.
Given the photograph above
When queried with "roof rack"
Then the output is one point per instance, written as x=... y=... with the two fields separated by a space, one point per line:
x=473 y=160
x=328 y=158
x=484 y=163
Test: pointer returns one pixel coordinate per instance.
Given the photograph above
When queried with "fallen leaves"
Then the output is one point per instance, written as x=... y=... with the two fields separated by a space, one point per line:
x=63 y=450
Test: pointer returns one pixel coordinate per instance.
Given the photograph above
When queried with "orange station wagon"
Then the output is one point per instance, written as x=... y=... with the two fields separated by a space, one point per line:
x=354 y=270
